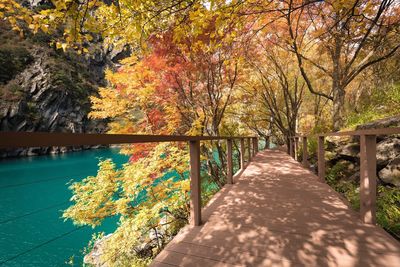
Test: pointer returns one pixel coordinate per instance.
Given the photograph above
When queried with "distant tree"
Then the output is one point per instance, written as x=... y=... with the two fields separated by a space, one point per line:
x=277 y=86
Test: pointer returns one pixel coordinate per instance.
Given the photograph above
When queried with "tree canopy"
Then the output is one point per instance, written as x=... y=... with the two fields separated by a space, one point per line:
x=218 y=67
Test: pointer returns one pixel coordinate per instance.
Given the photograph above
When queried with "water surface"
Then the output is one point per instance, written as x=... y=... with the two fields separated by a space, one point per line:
x=33 y=193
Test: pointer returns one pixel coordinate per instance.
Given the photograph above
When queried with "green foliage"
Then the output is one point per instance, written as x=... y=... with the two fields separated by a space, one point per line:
x=13 y=60
x=382 y=103
x=150 y=194
x=70 y=75
x=312 y=146
x=388 y=209
x=12 y=91
x=208 y=189
x=351 y=191
x=334 y=174
x=388 y=198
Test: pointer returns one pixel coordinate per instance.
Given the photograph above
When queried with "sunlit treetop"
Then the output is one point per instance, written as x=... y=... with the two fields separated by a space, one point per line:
x=75 y=23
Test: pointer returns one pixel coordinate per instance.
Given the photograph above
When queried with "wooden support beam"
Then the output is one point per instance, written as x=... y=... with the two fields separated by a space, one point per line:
x=229 y=178
x=195 y=183
x=305 y=152
x=254 y=146
x=296 y=148
x=242 y=151
x=321 y=158
x=249 y=148
x=368 y=178
x=291 y=152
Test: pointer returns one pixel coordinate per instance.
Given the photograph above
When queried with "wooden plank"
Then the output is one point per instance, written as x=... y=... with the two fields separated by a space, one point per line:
x=305 y=152
x=278 y=214
x=291 y=150
x=296 y=147
x=229 y=178
x=254 y=140
x=195 y=183
x=249 y=148
x=321 y=158
x=181 y=259
x=242 y=152
x=41 y=139
x=368 y=178
x=380 y=131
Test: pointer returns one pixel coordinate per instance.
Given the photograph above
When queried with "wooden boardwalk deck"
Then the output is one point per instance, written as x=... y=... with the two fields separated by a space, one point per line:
x=279 y=214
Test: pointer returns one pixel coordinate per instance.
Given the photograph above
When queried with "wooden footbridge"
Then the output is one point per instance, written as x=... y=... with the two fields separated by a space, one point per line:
x=274 y=212
x=277 y=213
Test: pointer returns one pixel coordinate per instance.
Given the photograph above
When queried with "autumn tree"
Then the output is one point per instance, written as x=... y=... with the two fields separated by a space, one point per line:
x=277 y=87
x=349 y=37
x=182 y=85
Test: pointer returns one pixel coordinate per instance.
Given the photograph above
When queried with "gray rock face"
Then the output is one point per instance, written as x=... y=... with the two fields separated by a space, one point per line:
x=35 y=3
x=51 y=93
x=377 y=124
x=382 y=123
x=52 y=98
x=387 y=150
x=335 y=142
x=349 y=151
x=391 y=173
x=94 y=257
x=387 y=153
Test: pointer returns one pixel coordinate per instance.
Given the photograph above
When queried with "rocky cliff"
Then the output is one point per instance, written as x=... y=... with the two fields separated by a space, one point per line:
x=42 y=89
x=345 y=152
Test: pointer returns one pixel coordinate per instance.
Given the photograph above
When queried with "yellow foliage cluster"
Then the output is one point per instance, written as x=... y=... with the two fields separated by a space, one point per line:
x=150 y=194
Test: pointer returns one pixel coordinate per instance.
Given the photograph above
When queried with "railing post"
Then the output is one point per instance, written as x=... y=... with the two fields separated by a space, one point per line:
x=195 y=193
x=305 y=152
x=242 y=150
x=249 y=148
x=296 y=147
x=229 y=178
x=368 y=178
x=254 y=146
x=321 y=158
x=291 y=147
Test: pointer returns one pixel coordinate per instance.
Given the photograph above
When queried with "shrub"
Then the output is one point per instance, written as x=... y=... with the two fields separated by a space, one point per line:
x=13 y=60
x=382 y=103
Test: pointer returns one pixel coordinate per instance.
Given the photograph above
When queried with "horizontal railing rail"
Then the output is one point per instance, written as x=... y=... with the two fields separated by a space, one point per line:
x=42 y=139
x=367 y=163
x=10 y=140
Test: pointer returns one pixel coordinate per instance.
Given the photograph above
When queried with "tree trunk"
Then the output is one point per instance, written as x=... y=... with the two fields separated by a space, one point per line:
x=338 y=107
x=267 y=142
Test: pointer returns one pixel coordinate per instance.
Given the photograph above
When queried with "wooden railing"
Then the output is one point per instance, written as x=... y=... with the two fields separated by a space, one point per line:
x=367 y=163
x=28 y=139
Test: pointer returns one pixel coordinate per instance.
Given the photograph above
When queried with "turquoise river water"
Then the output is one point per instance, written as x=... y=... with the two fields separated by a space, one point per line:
x=33 y=193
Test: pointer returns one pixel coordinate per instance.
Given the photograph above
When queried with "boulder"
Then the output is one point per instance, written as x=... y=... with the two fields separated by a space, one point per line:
x=350 y=151
x=93 y=258
x=382 y=123
x=355 y=177
x=335 y=142
x=391 y=173
x=387 y=150
x=36 y=3
x=388 y=122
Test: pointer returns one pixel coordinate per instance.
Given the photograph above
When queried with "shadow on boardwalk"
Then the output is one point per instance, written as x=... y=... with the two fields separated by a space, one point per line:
x=279 y=214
